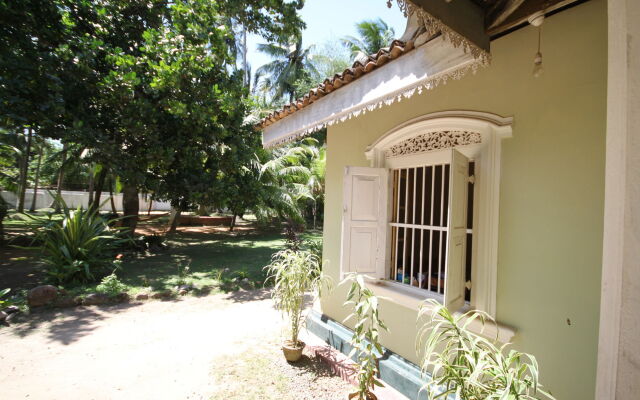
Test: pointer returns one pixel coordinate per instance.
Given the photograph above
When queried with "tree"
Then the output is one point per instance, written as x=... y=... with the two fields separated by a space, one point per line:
x=147 y=86
x=373 y=36
x=286 y=177
x=291 y=63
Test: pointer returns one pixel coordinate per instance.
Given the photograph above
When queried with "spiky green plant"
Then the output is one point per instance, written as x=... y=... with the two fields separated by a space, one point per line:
x=79 y=248
x=463 y=365
x=295 y=273
x=366 y=334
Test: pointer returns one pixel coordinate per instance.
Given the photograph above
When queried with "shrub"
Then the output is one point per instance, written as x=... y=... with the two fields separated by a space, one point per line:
x=466 y=366
x=77 y=249
x=294 y=273
x=366 y=335
x=4 y=303
x=111 y=285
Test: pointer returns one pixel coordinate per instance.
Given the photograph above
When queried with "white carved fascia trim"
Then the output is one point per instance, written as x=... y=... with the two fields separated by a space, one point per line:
x=483 y=145
x=433 y=25
x=454 y=73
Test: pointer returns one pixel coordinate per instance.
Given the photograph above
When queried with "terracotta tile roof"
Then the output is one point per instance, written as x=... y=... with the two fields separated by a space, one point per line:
x=359 y=68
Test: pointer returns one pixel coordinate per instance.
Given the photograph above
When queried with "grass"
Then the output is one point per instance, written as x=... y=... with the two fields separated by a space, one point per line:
x=220 y=261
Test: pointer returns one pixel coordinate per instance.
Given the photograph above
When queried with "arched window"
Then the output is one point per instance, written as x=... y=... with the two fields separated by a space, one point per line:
x=424 y=217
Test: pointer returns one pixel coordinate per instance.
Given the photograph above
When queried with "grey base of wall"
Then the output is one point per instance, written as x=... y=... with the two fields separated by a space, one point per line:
x=402 y=375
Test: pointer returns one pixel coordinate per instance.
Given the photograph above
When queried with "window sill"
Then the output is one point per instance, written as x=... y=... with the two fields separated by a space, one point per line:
x=412 y=299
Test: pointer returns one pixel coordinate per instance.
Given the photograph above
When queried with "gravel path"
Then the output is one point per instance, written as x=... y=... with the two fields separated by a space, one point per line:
x=215 y=347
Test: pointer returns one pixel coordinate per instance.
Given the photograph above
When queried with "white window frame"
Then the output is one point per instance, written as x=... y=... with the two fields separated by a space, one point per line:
x=486 y=155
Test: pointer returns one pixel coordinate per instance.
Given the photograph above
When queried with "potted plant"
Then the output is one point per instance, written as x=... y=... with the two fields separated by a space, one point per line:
x=366 y=336
x=294 y=273
x=465 y=366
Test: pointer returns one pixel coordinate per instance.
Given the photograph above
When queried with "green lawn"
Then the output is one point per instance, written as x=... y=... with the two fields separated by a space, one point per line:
x=220 y=261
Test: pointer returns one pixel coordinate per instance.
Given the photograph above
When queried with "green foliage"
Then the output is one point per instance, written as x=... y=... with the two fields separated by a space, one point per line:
x=291 y=64
x=366 y=333
x=469 y=367
x=4 y=302
x=291 y=180
x=294 y=273
x=111 y=285
x=314 y=246
x=77 y=249
x=374 y=35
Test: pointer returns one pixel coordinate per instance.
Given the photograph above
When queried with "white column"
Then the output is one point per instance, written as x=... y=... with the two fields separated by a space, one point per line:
x=619 y=343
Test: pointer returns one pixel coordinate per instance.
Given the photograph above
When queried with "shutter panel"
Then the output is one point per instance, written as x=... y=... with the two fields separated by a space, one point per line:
x=457 y=236
x=364 y=221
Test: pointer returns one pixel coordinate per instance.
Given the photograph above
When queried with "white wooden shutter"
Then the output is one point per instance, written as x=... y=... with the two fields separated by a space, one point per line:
x=364 y=221
x=457 y=235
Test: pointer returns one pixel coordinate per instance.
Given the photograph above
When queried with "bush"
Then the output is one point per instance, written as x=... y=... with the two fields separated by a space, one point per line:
x=111 y=285
x=78 y=249
x=464 y=365
x=294 y=273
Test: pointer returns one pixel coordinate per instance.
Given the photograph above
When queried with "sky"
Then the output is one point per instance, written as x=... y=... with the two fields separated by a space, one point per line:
x=332 y=19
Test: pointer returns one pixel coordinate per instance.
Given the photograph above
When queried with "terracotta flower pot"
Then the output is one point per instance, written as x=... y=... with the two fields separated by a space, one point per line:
x=370 y=396
x=292 y=352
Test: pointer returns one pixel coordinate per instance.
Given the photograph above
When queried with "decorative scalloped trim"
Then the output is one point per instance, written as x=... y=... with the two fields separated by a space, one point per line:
x=428 y=84
x=433 y=25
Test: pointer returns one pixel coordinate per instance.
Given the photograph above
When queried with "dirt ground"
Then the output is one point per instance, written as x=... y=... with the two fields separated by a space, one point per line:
x=215 y=347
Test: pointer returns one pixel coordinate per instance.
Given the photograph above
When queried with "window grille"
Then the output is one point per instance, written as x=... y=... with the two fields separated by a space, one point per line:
x=419 y=227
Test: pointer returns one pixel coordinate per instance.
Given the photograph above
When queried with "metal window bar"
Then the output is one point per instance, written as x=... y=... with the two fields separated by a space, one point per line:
x=418 y=212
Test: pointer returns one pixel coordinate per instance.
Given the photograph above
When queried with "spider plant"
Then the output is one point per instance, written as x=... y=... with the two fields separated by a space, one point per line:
x=466 y=366
x=294 y=273
x=366 y=335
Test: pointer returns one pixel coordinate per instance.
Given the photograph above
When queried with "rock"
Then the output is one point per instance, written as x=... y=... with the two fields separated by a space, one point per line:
x=67 y=301
x=42 y=295
x=3 y=316
x=122 y=297
x=93 y=299
x=162 y=295
x=12 y=309
x=142 y=296
x=185 y=287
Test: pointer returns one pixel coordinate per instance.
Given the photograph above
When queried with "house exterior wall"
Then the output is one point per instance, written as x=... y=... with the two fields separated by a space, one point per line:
x=551 y=194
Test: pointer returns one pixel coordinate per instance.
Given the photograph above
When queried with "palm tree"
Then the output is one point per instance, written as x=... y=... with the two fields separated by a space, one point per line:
x=373 y=36
x=289 y=182
x=290 y=64
x=317 y=170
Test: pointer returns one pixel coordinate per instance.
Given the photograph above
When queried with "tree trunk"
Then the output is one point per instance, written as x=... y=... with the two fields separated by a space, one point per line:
x=314 y=214
x=91 y=176
x=99 y=184
x=56 y=204
x=202 y=210
x=233 y=223
x=37 y=181
x=24 y=172
x=130 y=207
x=173 y=220
x=245 y=65
x=113 y=202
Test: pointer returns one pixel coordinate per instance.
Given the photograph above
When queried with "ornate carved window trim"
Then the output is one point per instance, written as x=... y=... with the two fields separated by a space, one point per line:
x=478 y=136
x=433 y=141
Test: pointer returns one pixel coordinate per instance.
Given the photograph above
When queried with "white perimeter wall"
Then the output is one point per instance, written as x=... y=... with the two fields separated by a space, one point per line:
x=76 y=198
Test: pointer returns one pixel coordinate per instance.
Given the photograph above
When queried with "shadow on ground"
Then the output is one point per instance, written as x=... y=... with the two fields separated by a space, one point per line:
x=65 y=325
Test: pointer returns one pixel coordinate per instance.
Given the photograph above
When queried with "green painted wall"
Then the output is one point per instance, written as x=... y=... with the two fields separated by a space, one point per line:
x=551 y=196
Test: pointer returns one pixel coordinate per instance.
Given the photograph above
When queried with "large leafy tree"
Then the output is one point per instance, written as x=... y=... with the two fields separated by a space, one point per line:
x=149 y=89
x=372 y=36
